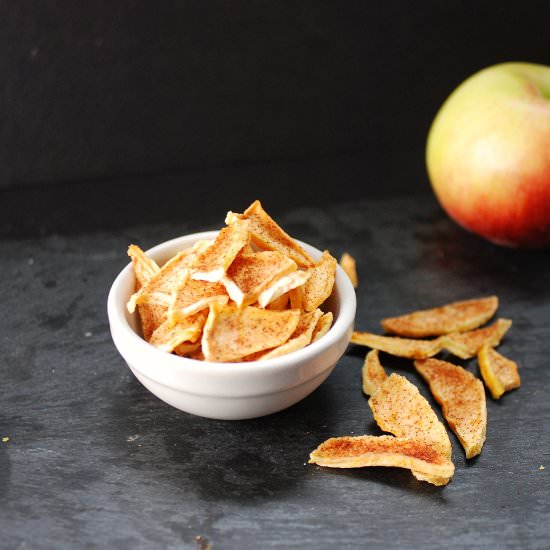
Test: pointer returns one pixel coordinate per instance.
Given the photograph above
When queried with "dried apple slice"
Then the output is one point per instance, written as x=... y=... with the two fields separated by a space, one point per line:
x=454 y=317
x=185 y=349
x=348 y=264
x=373 y=373
x=467 y=344
x=231 y=333
x=267 y=235
x=167 y=337
x=462 y=399
x=402 y=347
x=250 y=274
x=319 y=285
x=300 y=338
x=212 y=264
x=323 y=326
x=499 y=373
x=158 y=290
x=145 y=268
x=192 y=296
x=399 y=408
x=282 y=286
x=280 y=303
x=367 y=450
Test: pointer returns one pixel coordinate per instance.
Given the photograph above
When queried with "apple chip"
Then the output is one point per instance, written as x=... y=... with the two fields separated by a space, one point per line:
x=280 y=303
x=454 y=317
x=320 y=284
x=499 y=373
x=282 y=285
x=212 y=264
x=192 y=296
x=373 y=373
x=467 y=344
x=186 y=349
x=250 y=274
x=384 y=450
x=399 y=408
x=323 y=326
x=462 y=399
x=402 y=347
x=296 y=297
x=144 y=267
x=158 y=290
x=347 y=263
x=267 y=235
x=167 y=337
x=232 y=333
x=300 y=338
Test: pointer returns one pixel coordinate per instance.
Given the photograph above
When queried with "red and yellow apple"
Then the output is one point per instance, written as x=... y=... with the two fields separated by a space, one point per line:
x=488 y=154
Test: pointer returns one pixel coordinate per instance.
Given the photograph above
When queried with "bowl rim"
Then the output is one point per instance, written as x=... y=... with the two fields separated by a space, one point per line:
x=116 y=310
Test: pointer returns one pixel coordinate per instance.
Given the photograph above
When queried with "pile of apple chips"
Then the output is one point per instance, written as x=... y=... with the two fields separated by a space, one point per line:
x=252 y=293
x=420 y=441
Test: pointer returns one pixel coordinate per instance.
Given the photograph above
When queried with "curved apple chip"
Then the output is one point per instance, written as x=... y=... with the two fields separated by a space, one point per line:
x=167 y=337
x=401 y=347
x=186 y=349
x=232 y=333
x=145 y=268
x=250 y=274
x=499 y=373
x=462 y=399
x=323 y=326
x=282 y=286
x=192 y=296
x=319 y=285
x=400 y=409
x=348 y=264
x=373 y=373
x=268 y=235
x=384 y=450
x=213 y=262
x=467 y=344
x=454 y=317
x=300 y=338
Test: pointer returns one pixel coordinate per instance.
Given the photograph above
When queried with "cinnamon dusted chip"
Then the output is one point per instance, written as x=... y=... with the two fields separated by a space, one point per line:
x=348 y=264
x=462 y=399
x=399 y=408
x=186 y=349
x=296 y=296
x=321 y=282
x=402 y=347
x=373 y=373
x=300 y=338
x=267 y=235
x=281 y=286
x=145 y=268
x=192 y=296
x=454 y=317
x=499 y=373
x=368 y=450
x=158 y=290
x=323 y=326
x=151 y=317
x=212 y=264
x=467 y=344
x=231 y=333
x=280 y=303
x=250 y=274
x=167 y=337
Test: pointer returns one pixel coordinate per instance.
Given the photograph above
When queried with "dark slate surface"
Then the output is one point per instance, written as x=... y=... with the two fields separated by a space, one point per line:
x=94 y=460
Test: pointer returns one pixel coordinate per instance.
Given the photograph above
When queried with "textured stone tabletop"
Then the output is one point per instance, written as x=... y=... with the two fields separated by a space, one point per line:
x=93 y=460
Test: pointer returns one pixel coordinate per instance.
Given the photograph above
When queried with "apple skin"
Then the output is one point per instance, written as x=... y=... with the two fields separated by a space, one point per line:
x=488 y=154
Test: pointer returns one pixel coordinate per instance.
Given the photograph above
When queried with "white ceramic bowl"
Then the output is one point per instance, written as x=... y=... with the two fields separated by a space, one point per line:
x=228 y=391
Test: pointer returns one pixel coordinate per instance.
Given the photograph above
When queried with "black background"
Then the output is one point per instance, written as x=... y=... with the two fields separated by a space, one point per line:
x=110 y=91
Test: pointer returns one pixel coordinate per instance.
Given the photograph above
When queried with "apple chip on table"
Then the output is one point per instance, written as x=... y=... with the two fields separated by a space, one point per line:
x=252 y=293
